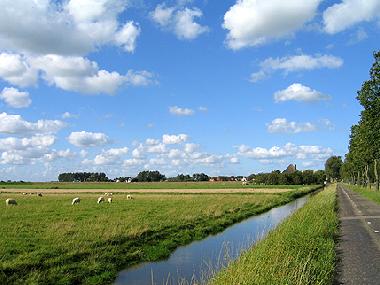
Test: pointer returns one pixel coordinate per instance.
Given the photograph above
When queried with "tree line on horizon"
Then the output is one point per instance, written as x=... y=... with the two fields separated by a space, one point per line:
x=361 y=165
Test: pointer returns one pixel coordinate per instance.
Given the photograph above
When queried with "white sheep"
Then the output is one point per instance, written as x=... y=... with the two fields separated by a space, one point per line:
x=24 y=193
x=109 y=200
x=10 y=201
x=75 y=201
x=129 y=197
x=100 y=199
x=110 y=194
x=106 y=194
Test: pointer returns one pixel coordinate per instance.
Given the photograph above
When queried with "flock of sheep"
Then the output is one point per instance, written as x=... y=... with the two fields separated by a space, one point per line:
x=76 y=200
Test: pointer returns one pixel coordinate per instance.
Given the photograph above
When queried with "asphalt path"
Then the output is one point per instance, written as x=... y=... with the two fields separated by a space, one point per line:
x=359 y=245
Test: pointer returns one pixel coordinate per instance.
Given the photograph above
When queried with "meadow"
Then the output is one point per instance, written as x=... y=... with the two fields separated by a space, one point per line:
x=46 y=240
x=137 y=185
x=300 y=251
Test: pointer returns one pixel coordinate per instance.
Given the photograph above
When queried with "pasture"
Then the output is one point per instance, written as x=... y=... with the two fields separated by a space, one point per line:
x=46 y=240
x=138 y=185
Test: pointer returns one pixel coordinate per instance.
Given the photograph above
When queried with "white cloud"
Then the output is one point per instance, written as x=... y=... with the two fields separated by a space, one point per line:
x=127 y=36
x=180 y=20
x=15 y=69
x=299 y=92
x=37 y=27
x=79 y=74
x=15 y=124
x=175 y=110
x=68 y=115
x=203 y=109
x=295 y=63
x=87 y=139
x=15 y=98
x=39 y=141
x=111 y=156
x=30 y=150
x=348 y=13
x=191 y=147
x=288 y=150
x=255 y=22
x=174 y=139
x=281 y=125
x=132 y=162
x=152 y=141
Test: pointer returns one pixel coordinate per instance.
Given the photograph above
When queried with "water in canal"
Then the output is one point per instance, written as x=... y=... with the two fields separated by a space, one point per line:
x=197 y=261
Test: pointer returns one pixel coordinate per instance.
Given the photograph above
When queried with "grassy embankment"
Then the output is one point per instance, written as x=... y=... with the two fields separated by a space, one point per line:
x=138 y=185
x=299 y=251
x=370 y=194
x=46 y=240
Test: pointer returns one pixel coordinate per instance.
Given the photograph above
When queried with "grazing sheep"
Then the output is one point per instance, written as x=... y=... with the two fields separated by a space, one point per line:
x=75 y=201
x=10 y=201
x=100 y=199
x=109 y=200
x=39 y=194
x=110 y=194
x=129 y=197
x=106 y=194
x=24 y=193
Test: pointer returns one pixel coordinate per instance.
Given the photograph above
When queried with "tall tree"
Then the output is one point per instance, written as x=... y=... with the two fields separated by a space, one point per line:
x=332 y=167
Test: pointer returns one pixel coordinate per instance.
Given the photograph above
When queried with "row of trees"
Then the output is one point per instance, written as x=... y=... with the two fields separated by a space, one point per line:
x=83 y=177
x=187 y=178
x=277 y=177
x=362 y=162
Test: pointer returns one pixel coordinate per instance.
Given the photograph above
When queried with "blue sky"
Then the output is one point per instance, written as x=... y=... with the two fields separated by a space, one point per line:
x=221 y=87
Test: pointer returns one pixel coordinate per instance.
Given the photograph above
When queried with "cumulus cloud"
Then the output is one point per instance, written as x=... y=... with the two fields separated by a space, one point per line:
x=15 y=124
x=299 y=92
x=180 y=20
x=38 y=27
x=178 y=111
x=255 y=22
x=288 y=150
x=282 y=125
x=23 y=151
x=348 y=13
x=70 y=73
x=15 y=98
x=127 y=36
x=38 y=141
x=110 y=156
x=15 y=69
x=79 y=74
x=295 y=63
x=88 y=139
x=174 y=139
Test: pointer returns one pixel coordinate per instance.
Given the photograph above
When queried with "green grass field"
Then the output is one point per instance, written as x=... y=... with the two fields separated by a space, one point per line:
x=46 y=240
x=300 y=251
x=370 y=194
x=138 y=185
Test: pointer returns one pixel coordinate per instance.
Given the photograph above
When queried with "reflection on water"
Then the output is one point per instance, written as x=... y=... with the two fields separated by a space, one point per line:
x=198 y=260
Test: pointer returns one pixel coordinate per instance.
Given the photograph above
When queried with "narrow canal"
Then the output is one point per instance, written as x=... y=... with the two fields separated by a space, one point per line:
x=198 y=261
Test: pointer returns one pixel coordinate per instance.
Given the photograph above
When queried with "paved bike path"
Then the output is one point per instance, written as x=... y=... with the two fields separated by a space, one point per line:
x=359 y=246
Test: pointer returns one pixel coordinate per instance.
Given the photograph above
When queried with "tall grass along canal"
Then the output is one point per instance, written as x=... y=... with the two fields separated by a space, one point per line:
x=197 y=261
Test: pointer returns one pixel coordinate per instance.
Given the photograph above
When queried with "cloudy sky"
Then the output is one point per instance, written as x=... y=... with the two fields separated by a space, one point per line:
x=223 y=87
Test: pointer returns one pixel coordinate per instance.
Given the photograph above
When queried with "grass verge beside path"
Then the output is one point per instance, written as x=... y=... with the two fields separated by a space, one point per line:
x=300 y=251
x=46 y=240
x=370 y=194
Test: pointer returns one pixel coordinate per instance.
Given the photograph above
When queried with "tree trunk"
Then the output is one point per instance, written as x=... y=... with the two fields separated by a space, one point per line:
x=376 y=175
